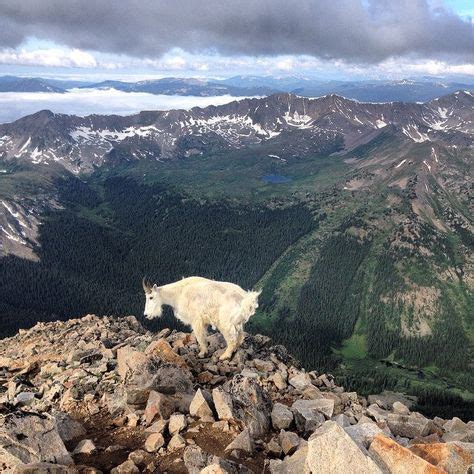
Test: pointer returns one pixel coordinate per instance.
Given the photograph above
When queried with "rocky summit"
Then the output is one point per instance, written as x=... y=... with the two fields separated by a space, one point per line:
x=102 y=394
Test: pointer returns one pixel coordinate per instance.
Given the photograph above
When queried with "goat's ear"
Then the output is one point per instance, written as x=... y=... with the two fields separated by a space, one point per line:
x=155 y=287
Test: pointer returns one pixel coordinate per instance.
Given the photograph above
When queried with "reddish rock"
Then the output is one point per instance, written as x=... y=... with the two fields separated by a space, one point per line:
x=164 y=351
x=158 y=406
x=396 y=459
x=448 y=456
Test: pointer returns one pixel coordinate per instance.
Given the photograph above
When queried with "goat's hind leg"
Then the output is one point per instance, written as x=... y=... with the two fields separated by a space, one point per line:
x=199 y=329
x=231 y=336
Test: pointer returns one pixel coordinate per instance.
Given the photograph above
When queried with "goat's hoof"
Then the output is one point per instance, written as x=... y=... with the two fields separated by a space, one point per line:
x=202 y=354
x=225 y=356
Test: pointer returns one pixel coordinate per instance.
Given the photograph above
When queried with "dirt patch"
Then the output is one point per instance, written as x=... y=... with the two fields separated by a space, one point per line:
x=113 y=443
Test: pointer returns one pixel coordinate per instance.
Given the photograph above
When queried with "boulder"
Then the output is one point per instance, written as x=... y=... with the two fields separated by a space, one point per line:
x=409 y=426
x=158 y=406
x=251 y=405
x=342 y=420
x=154 y=442
x=195 y=459
x=448 y=456
x=364 y=433
x=243 y=442
x=396 y=459
x=201 y=406
x=162 y=349
x=86 y=446
x=176 y=442
x=282 y=416
x=129 y=360
x=27 y=437
x=296 y=463
x=24 y=399
x=223 y=404
x=386 y=399
x=158 y=426
x=300 y=381
x=279 y=381
x=177 y=423
x=289 y=441
x=273 y=448
x=125 y=468
x=331 y=450
x=320 y=405
x=263 y=365
x=310 y=414
x=400 y=408
x=377 y=413
x=68 y=428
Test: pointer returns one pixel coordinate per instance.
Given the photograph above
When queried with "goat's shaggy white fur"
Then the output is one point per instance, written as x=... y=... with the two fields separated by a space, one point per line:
x=200 y=302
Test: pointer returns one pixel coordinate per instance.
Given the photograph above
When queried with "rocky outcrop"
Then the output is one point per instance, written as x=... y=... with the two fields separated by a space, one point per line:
x=104 y=394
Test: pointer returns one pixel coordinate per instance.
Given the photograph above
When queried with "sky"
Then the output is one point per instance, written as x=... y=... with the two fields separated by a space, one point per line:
x=326 y=39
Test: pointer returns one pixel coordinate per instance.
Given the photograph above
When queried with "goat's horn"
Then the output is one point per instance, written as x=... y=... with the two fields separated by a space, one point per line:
x=146 y=286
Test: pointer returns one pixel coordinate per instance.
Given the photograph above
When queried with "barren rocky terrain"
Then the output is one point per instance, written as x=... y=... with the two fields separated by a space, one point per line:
x=102 y=394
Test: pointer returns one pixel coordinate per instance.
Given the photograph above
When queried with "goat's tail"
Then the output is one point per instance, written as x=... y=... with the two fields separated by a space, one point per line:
x=249 y=305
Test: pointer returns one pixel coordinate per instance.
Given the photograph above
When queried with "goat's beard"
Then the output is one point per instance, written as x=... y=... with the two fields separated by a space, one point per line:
x=155 y=313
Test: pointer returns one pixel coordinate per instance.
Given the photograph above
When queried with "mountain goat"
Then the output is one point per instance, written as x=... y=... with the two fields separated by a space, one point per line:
x=200 y=302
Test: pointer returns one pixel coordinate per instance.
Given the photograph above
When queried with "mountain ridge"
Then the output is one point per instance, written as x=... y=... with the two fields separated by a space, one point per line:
x=89 y=141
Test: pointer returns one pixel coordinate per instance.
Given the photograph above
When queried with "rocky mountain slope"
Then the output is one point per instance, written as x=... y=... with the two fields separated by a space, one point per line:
x=103 y=394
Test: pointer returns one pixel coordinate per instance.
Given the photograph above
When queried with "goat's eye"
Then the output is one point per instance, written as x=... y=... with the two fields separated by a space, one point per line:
x=151 y=297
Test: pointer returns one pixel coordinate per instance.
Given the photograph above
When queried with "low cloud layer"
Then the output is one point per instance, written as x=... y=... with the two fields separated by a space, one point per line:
x=355 y=31
x=14 y=105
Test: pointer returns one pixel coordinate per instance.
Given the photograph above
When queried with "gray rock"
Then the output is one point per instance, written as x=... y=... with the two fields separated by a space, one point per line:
x=86 y=446
x=386 y=399
x=281 y=415
x=364 y=433
x=456 y=424
x=377 y=413
x=342 y=420
x=251 y=405
x=223 y=404
x=68 y=428
x=24 y=398
x=30 y=437
x=310 y=414
x=409 y=426
x=201 y=406
x=331 y=450
x=243 y=442
x=293 y=464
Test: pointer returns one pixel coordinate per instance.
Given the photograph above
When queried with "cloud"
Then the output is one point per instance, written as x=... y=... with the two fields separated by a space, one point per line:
x=52 y=57
x=357 y=31
x=14 y=105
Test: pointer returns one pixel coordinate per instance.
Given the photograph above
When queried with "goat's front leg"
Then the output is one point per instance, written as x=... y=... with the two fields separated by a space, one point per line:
x=231 y=336
x=200 y=332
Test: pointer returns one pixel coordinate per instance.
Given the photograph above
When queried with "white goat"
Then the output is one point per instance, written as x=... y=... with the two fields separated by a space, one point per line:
x=200 y=302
